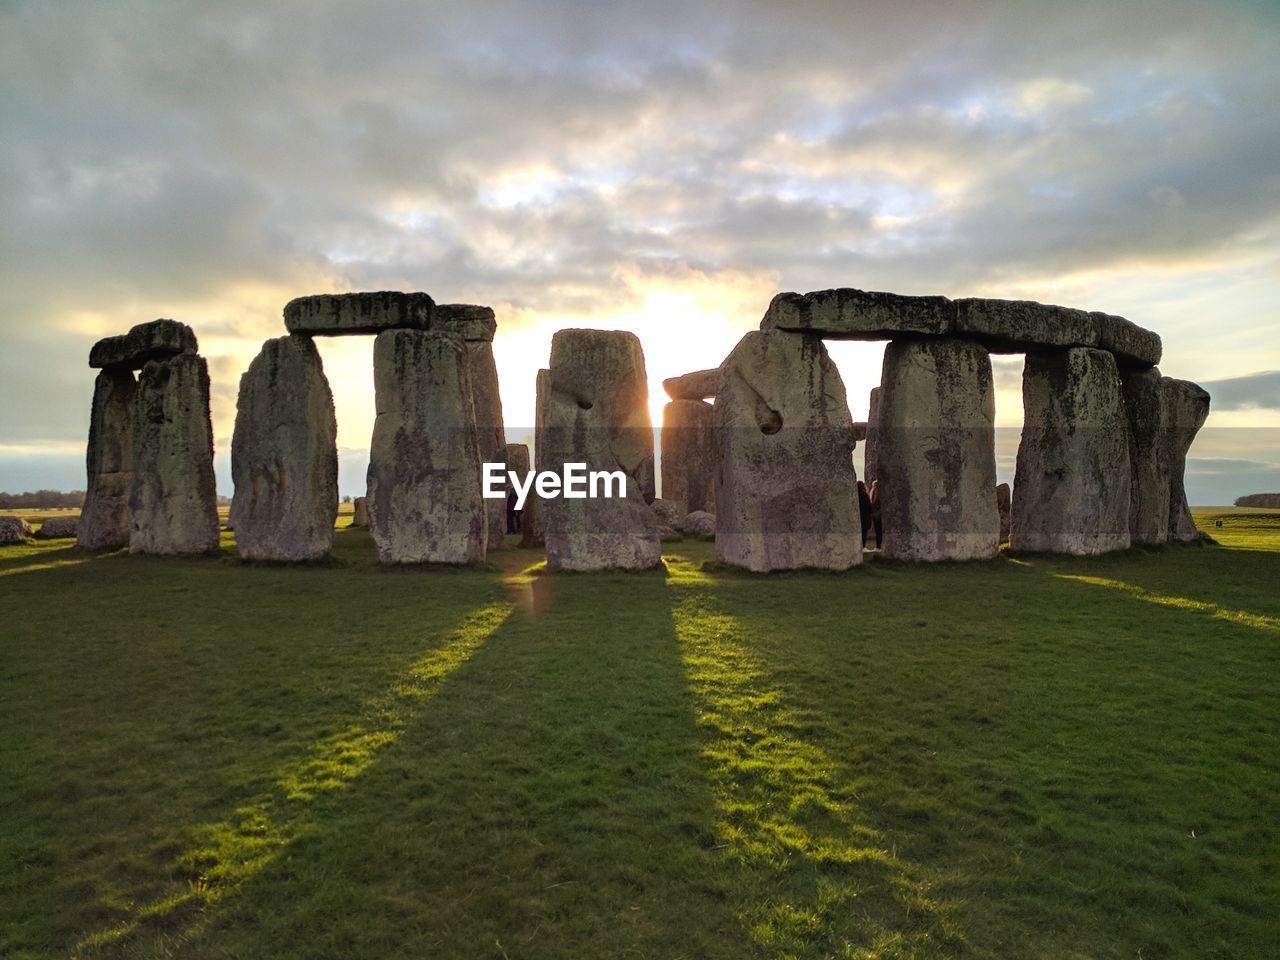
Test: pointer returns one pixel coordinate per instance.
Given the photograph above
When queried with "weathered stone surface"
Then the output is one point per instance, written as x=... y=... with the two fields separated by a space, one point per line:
x=156 y=340
x=785 y=486
x=518 y=458
x=491 y=435
x=532 y=525
x=597 y=413
x=699 y=523
x=1146 y=409
x=284 y=455
x=848 y=314
x=938 y=466
x=339 y=314
x=1133 y=345
x=668 y=513
x=174 y=505
x=699 y=385
x=56 y=528
x=1015 y=326
x=871 y=451
x=1071 y=487
x=360 y=512
x=689 y=455
x=1187 y=406
x=470 y=321
x=667 y=534
x=1004 y=506
x=859 y=431
x=425 y=499
x=13 y=530
x=104 y=521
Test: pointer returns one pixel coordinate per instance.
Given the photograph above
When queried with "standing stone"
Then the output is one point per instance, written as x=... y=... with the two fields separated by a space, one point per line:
x=1146 y=408
x=1071 y=485
x=360 y=512
x=104 y=521
x=284 y=455
x=174 y=504
x=871 y=452
x=1004 y=508
x=532 y=526
x=786 y=494
x=699 y=385
x=597 y=414
x=425 y=499
x=938 y=467
x=688 y=455
x=154 y=340
x=1187 y=406
x=518 y=458
x=482 y=373
x=518 y=462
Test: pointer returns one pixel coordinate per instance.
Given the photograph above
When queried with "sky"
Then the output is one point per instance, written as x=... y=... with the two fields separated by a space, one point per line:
x=659 y=167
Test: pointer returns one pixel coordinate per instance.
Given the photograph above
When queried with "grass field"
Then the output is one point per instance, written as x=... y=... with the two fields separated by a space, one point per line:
x=1021 y=758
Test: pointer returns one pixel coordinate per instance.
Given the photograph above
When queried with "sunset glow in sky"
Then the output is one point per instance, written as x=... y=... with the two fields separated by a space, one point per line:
x=662 y=167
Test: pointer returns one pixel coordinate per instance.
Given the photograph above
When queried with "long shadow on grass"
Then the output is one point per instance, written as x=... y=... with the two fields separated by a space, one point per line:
x=815 y=874
x=550 y=802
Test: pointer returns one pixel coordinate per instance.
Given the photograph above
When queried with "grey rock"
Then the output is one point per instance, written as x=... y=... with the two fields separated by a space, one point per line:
x=785 y=485
x=360 y=512
x=104 y=521
x=668 y=534
x=689 y=455
x=700 y=524
x=1071 y=486
x=597 y=413
x=937 y=468
x=1004 y=506
x=849 y=314
x=14 y=530
x=1015 y=326
x=518 y=458
x=425 y=498
x=56 y=528
x=1133 y=346
x=284 y=455
x=871 y=450
x=859 y=431
x=532 y=521
x=1146 y=407
x=155 y=340
x=340 y=314
x=1187 y=406
x=469 y=321
x=668 y=513
x=491 y=435
x=174 y=506
x=699 y=385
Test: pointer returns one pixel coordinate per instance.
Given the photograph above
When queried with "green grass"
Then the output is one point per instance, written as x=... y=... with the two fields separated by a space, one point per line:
x=1048 y=758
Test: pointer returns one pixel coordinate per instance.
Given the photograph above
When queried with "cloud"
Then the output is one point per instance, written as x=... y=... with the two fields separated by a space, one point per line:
x=1249 y=392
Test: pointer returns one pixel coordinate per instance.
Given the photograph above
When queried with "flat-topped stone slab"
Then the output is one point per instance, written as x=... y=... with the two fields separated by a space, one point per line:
x=344 y=314
x=154 y=340
x=699 y=385
x=1015 y=326
x=470 y=321
x=849 y=314
x=1002 y=326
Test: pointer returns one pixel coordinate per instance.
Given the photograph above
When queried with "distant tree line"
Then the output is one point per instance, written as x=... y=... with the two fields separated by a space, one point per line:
x=1259 y=500
x=41 y=500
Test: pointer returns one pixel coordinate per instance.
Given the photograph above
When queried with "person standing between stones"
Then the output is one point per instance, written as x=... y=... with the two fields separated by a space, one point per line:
x=513 y=515
x=874 y=497
x=864 y=510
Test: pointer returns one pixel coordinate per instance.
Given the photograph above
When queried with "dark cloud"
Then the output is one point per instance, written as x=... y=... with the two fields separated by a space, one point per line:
x=1251 y=392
